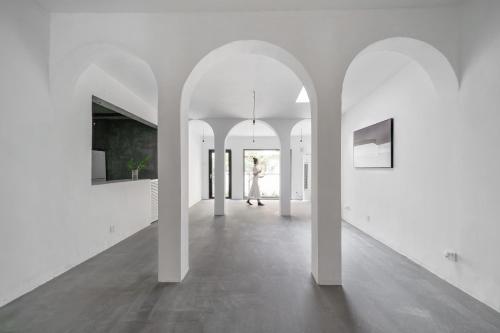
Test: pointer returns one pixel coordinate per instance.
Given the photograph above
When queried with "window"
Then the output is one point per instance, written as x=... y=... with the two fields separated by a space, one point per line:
x=269 y=163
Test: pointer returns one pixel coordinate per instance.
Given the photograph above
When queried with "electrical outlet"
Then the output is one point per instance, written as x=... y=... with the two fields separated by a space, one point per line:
x=111 y=229
x=347 y=208
x=450 y=255
x=368 y=218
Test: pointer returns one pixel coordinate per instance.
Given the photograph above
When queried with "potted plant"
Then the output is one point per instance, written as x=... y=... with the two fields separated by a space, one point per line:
x=137 y=165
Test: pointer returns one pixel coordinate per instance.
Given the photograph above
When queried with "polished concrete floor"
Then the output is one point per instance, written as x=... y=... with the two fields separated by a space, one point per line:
x=249 y=273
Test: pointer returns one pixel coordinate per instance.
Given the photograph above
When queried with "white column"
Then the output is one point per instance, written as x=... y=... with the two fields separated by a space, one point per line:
x=219 y=176
x=221 y=128
x=326 y=224
x=173 y=242
x=283 y=128
x=285 y=175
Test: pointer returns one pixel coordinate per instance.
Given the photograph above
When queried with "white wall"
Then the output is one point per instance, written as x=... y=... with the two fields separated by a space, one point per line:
x=298 y=151
x=405 y=207
x=443 y=191
x=323 y=42
x=238 y=144
x=478 y=164
x=117 y=210
x=27 y=141
x=52 y=218
x=195 y=162
x=40 y=220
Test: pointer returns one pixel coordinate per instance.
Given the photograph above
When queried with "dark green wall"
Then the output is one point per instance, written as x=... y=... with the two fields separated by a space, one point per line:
x=123 y=139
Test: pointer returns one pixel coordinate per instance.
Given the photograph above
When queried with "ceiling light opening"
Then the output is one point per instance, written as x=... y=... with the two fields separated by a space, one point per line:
x=303 y=97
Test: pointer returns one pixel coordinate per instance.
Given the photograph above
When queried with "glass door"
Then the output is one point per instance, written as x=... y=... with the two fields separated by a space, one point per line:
x=269 y=163
x=227 y=172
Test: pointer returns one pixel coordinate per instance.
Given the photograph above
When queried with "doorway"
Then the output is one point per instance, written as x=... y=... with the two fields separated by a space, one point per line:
x=227 y=172
x=269 y=161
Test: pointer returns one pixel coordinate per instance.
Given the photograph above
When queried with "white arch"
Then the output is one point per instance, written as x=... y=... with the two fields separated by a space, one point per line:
x=441 y=81
x=436 y=65
x=222 y=53
x=304 y=123
x=258 y=122
x=209 y=131
x=173 y=237
x=66 y=72
x=246 y=47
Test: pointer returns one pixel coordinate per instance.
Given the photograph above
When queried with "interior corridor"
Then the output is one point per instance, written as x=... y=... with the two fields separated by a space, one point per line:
x=249 y=272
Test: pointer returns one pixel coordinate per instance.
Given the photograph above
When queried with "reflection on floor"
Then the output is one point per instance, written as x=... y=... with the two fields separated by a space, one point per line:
x=249 y=273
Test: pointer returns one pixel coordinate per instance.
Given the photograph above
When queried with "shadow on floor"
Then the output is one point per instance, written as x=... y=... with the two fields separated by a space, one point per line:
x=249 y=272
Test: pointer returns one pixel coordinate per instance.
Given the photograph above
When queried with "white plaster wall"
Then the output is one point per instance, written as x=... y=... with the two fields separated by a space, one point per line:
x=117 y=210
x=45 y=189
x=479 y=159
x=298 y=151
x=52 y=218
x=324 y=42
x=108 y=88
x=195 y=163
x=28 y=193
x=405 y=207
x=439 y=196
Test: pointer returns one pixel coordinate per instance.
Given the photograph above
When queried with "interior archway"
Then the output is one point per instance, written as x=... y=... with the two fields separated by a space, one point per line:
x=217 y=92
x=217 y=56
x=412 y=85
x=435 y=64
x=246 y=140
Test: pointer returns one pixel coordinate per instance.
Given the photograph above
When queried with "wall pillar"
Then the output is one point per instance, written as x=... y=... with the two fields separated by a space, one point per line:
x=219 y=176
x=285 y=176
x=283 y=129
x=173 y=204
x=326 y=226
x=221 y=128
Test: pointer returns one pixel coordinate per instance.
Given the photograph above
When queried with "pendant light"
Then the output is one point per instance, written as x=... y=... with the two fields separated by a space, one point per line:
x=203 y=138
x=253 y=118
x=301 y=137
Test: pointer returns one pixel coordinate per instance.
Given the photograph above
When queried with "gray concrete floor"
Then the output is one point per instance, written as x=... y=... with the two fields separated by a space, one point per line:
x=249 y=273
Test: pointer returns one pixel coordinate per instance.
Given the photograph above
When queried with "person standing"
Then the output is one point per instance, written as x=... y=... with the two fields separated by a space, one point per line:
x=254 y=189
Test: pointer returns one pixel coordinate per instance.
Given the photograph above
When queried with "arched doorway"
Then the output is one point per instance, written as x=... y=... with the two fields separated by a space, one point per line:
x=174 y=266
x=404 y=203
x=247 y=140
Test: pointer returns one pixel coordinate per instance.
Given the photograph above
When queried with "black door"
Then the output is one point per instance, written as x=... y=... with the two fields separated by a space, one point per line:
x=228 y=173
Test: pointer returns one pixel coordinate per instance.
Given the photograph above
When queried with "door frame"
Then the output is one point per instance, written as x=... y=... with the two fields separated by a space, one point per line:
x=210 y=169
x=257 y=149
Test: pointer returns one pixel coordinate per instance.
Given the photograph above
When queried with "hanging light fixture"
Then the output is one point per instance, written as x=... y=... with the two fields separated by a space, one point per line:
x=253 y=118
x=301 y=137
x=203 y=138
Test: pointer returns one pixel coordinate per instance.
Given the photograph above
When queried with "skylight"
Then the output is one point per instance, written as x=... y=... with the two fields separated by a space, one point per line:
x=303 y=97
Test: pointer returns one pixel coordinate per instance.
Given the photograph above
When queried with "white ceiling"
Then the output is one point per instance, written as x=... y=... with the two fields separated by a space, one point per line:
x=367 y=73
x=226 y=90
x=229 y=5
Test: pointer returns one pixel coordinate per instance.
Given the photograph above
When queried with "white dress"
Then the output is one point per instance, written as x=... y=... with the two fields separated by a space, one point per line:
x=254 y=189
